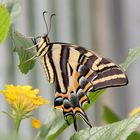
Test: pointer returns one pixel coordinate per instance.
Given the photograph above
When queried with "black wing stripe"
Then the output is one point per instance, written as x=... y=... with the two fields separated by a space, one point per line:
x=81 y=58
x=93 y=57
x=70 y=69
x=81 y=49
x=92 y=62
x=110 y=83
x=104 y=61
x=42 y=47
x=109 y=72
x=40 y=44
x=105 y=64
x=110 y=80
x=92 y=76
x=46 y=69
x=64 y=56
x=87 y=62
x=42 y=50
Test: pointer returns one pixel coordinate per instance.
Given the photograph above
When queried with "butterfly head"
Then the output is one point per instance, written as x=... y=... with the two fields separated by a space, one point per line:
x=45 y=38
x=41 y=44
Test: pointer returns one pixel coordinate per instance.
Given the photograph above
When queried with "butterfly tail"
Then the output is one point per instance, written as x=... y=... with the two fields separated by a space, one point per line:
x=77 y=109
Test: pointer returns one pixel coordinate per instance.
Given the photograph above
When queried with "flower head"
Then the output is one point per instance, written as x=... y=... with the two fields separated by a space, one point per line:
x=23 y=99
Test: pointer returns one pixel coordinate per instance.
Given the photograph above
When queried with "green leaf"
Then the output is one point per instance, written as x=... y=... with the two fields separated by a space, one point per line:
x=55 y=122
x=115 y=131
x=109 y=116
x=133 y=54
x=20 y=44
x=4 y=22
x=134 y=136
x=93 y=96
x=54 y=126
x=14 y=8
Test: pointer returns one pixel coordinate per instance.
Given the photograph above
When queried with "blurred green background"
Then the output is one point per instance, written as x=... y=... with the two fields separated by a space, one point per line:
x=108 y=27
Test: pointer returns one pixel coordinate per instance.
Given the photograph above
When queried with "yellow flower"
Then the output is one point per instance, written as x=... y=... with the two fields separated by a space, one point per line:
x=23 y=99
x=134 y=111
x=36 y=123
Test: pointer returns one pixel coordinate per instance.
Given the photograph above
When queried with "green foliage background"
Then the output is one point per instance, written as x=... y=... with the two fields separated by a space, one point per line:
x=4 y=22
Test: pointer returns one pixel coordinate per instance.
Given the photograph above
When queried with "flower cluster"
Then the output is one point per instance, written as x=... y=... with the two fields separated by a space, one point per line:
x=23 y=99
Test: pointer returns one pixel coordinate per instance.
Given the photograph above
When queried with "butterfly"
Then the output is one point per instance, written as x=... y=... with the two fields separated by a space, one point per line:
x=76 y=71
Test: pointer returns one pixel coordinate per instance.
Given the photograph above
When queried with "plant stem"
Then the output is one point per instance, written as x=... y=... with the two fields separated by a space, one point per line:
x=17 y=124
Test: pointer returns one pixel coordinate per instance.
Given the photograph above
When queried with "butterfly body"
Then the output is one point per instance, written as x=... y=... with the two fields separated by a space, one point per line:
x=75 y=71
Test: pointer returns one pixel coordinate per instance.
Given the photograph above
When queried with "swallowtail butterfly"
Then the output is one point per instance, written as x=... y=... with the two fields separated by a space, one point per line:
x=76 y=71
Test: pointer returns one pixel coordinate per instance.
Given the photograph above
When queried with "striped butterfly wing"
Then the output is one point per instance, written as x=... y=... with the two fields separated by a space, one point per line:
x=88 y=71
x=76 y=71
x=98 y=71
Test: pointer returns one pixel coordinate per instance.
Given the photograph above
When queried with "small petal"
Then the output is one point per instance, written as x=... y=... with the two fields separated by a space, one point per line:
x=36 y=123
x=134 y=111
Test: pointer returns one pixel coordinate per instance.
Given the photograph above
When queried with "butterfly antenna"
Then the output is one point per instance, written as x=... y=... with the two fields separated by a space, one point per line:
x=50 y=22
x=44 y=17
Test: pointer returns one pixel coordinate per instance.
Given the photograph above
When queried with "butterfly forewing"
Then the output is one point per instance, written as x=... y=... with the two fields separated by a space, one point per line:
x=76 y=71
